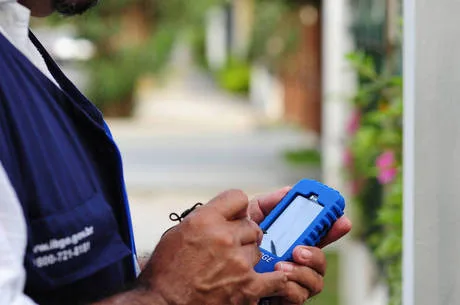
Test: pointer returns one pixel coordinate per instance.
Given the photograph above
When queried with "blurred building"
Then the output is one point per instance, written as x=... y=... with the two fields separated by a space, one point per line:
x=295 y=94
x=292 y=94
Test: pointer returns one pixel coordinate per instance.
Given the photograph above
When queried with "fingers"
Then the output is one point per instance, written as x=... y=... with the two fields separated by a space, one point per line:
x=307 y=281
x=305 y=275
x=267 y=284
x=231 y=204
x=340 y=228
x=294 y=294
x=310 y=257
x=252 y=254
x=249 y=235
x=261 y=206
x=247 y=231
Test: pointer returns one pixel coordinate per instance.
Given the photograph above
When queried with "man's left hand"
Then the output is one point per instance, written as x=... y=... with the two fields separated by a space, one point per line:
x=307 y=272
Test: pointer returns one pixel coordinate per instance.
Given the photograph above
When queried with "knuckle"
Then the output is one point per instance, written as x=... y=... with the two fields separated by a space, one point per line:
x=318 y=285
x=237 y=195
x=199 y=220
x=225 y=240
x=295 y=295
x=304 y=295
x=253 y=229
x=201 y=286
x=194 y=221
x=240 y=263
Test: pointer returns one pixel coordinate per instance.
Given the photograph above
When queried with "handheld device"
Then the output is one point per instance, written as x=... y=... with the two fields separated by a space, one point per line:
x=303 y=217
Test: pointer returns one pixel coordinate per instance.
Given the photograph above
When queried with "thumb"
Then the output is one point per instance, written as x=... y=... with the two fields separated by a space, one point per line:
x=261 y=206
x=269 y=284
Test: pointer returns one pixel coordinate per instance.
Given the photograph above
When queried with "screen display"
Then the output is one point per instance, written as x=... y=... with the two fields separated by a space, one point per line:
x=288 y=227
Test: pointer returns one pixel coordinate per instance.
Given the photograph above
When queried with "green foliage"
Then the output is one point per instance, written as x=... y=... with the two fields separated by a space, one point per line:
x=114 y=75
x=186 y=13
x=304 y=157
x=379 y=103
x=116 y=69
x=197 y=39
x=234 y=76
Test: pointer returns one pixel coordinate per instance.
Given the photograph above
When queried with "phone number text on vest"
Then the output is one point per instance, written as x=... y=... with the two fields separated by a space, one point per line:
x=66 y=248
x=62 y=256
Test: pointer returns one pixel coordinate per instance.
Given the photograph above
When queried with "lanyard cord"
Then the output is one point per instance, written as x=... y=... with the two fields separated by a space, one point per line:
x=179 y=218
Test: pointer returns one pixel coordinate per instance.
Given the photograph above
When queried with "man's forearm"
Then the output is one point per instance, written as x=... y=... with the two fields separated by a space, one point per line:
x=138 y=296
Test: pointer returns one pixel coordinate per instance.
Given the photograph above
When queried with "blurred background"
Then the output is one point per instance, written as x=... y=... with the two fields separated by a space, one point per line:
x=207 y=95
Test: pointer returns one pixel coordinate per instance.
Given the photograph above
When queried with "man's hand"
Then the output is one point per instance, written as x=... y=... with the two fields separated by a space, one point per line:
x=209 y=258
x=306 y=274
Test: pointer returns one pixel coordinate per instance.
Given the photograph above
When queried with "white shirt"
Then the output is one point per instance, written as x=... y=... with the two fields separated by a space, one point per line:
x=13 y=238
x=14 y=25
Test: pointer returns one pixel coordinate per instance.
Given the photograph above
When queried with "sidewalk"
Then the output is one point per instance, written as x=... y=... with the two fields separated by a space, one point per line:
x=191 y=100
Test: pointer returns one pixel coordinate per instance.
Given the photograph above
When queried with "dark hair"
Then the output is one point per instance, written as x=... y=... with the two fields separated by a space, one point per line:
x=71 y=8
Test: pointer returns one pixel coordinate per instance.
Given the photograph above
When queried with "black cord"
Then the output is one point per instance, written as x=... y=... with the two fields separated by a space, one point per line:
x=179 y=218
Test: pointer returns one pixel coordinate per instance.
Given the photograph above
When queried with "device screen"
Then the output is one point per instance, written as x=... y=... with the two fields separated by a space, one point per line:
x=290 y=224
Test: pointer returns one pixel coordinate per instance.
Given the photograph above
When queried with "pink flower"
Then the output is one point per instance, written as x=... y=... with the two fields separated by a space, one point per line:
x=385 y=160
x=387 y=175
x=386 y=165
x=354 y=122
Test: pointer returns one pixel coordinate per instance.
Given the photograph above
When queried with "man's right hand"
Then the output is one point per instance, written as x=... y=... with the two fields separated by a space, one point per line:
x=209 y=258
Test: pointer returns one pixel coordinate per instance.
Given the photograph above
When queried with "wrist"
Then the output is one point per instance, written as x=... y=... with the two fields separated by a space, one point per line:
x=139 y=295
x=148 y=296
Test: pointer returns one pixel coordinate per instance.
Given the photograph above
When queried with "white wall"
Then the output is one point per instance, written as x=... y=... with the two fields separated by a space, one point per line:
x=432 y=152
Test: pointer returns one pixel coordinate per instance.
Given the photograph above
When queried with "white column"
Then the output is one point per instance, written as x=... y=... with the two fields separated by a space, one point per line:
x=216 y=37
x=243 y=15
x=338 y=85
x=409 y=35
x=357 y=271
x=432 y=153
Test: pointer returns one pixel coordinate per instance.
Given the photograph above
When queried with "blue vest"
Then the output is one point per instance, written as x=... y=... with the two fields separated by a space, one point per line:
x=67 y=173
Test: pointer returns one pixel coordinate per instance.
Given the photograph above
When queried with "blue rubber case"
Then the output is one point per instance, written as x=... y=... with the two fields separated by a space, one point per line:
x=333 y=206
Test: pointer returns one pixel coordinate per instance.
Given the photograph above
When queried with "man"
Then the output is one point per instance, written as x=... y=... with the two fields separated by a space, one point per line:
x=62 y=195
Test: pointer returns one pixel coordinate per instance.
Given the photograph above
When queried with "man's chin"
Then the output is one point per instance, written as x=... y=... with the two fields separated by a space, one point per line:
x=73 y=7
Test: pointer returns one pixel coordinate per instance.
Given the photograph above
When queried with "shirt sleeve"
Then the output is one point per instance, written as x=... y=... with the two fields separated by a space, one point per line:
x=13 y=238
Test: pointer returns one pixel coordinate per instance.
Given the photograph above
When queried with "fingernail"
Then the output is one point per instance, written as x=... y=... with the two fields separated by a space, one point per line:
x=287 y=267
x=305 y=254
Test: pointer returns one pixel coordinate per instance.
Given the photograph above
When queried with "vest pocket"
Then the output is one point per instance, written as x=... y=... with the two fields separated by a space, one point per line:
x=71 y=245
